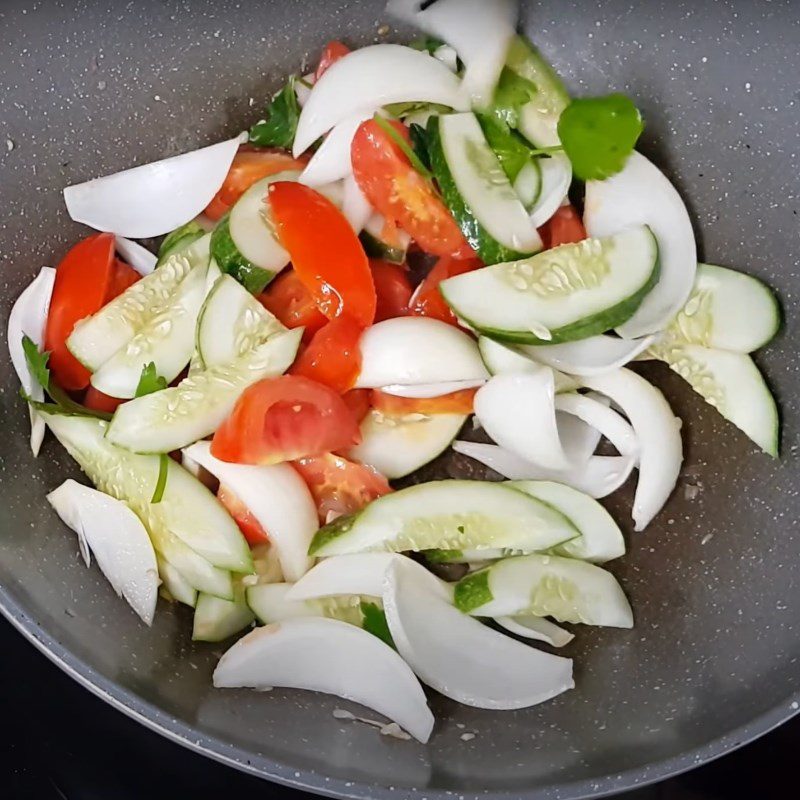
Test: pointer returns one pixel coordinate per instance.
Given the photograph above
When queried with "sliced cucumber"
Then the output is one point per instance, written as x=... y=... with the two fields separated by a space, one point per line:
x=730 y=382
x=546 y=586
x=231 y=323
x=570 y=292
x=179 y=239
x=477 y=190
x=174 y=585
x=727 y=310
x=216 y=619
x=376 y=245
x=187 y=511
x=270 y=604
x=556 y=173
x=398 y=445
x=195 y=408
x=528 y=184
x=166 y=340
x=447 y=515
x=600 y=539
x=231 y=261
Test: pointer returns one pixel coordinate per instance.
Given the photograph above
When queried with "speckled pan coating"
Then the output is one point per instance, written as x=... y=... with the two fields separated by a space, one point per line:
x=90 y=87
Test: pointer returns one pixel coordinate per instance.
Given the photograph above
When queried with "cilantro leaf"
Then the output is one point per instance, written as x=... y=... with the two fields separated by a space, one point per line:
x=386 y=126
x=599 y=133
x=161 y=481
x=428 y=44
x=150 y=381
x=37 y=362
x=511 y=151
x=511 y=94
x=375 y=622
x=280 y=126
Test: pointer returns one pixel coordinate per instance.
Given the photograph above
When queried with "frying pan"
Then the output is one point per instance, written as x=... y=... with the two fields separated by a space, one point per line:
x=88 y=88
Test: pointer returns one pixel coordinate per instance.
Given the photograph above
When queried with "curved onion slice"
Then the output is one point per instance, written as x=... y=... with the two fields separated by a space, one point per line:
x=332 y=161
x=479 y=30
x=658 y=432
x=325 y=655
x=372 y=77
x=518 y=412
x=591 y=356
x=579 y=439
x=598 y=477
x=640 y=193
x=302 y=88
x=355 y=205
x=603 y=419
x=277 y=497
x=117 y=538
x=140 y=258
x=538 y=628
x=462 y=658
x=152 y=199
x=556 y=180
x=423 y=390
x=417 y=350
x=27 y=318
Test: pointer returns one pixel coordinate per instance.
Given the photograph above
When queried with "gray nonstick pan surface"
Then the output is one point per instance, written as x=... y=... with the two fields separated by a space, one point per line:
x=87 y=88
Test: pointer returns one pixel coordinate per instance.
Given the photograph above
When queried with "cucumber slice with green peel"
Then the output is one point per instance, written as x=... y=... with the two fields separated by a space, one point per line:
x=175 y=417
x=376 y=246
x=216 y=619
x=570 y=292
x=600 y=540
x=232 y=262
x=727 y=310
x=446 y=515
x=397 y=445
x=173 y=585
x=477 y=191
x=730 y=382
x=528 y=184
x=179 y=239
x=269 y=603
x=556 y=175
x=165 y=340
x=188 y=513
x=467 y=556
x=231 y=323
x=546 y=586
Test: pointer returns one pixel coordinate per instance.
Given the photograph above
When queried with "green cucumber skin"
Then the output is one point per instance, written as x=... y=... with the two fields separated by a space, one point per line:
x=231 y=261
x=488 y=249
x=473 y=591
x=179 y=239
x=603 y=321
x=525 y=59
x=327 y=533
x=375 y=248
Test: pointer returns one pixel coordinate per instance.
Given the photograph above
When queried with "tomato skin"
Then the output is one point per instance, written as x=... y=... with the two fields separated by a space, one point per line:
x=333 y=356
x=250 y=164
x=283 y=419
x=359 y=402
x=393 y=289
x=289 y=300
x=83 y=281
x=564 y=227
x=97 y=401
x=392 y=185
x=249 y=526
x=427 y=300
x=333 y=51
x=460 y=402
x=339 y=486
x=123 y=278
x=325 y=251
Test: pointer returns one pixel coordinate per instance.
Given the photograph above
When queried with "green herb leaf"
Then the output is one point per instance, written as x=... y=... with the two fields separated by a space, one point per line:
x=37 y=362
x=428 y=44
x=161 y=482
x=408 y=151
x=599 y=133
x=280 y=126
x=512 y=92
x=63 y=405
x=443 y=556
x=150 y=381
x=404 y=109
x=511 y=151
x=419 y=141
x=375 y=622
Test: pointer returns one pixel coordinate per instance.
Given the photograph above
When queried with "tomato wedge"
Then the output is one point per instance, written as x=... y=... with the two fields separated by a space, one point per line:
x=392 y=185
x=393 y=289
x=339 y=486
x=123 y=278
x=249 y=526
x=333 y=51
x=95 y=400
x=289 y=300
x=564 y=227
x=325 y=251
x=282 y=419
x=332 y=357
x=460 y=402
x=250 y=164
x=84 y=279
x=427 y=300
x=358 y=401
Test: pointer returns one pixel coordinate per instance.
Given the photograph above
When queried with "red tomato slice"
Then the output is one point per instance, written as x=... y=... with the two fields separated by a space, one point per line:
x=455 y=403
x=333 y=356
x=385 y=176
x=289 y=300
x=124 y=277
x=326 y=253
x=333 y=51
x=393 y=289
x=564 y=227
x=97 y=401
x=84 y=279
x=358 y=401
x=282 y=419
x=249 y=165
x=339 y=486
x=427 y=300
x=249 y=526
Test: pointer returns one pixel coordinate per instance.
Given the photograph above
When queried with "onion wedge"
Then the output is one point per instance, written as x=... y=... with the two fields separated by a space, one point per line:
x=538 y=628
x=140 y=258
x=425 y=390
x=332 y=161
x=325 y=655
x=591 y=356
x=355 y=205
x=602 y=418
